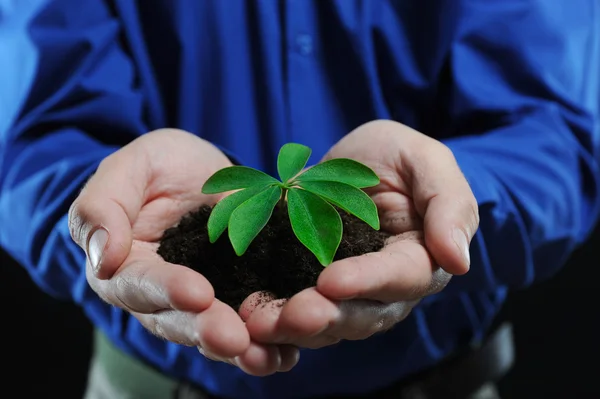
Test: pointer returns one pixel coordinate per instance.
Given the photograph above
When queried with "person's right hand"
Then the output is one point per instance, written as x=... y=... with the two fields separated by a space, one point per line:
x=118 y=219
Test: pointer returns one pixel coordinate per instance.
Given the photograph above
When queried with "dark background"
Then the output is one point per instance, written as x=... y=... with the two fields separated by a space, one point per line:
x=46 y=344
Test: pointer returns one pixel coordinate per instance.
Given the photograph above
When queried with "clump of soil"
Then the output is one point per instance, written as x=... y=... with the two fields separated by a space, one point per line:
x=275 y=261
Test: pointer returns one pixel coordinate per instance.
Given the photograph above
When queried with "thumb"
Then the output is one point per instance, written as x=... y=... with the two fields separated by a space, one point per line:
x=449 y=209
x=101 y=218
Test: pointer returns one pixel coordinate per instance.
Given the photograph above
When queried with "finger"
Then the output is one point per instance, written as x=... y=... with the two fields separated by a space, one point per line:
x=290 y=356
x=171 y=325
x=261 y=360
x=100 y=219
x=222 y=332
x=300 y=320
x=254 y=301
x=401 y=271
x=351 y=320
x=146 y=284
x=218 y=329
x=445 y=201
x=363 y=318
x=215 y=358
x=397 y=213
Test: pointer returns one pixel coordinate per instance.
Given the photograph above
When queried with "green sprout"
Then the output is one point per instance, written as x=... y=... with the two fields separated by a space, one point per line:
x=310 y=196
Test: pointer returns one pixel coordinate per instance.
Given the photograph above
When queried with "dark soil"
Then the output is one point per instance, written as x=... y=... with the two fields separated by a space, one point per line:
x=275 y=261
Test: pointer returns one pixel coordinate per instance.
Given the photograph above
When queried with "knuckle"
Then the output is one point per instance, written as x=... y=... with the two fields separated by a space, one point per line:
x=439 y=281
x=159 y=328
x=432 y=150
x=142 y=286
x=417 y=291
x=152 y=324
x=122 y=291
x=196 y=338
x=364 y=319
x=389 y=323
x=107 y=161
x=436 y=288
x=395 y=313
x=444 y=152
x=378 y=326
x=132 y=291
x=403 y=311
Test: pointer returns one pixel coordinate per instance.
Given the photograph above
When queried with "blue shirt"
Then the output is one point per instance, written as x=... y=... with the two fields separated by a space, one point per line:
x=512 y=87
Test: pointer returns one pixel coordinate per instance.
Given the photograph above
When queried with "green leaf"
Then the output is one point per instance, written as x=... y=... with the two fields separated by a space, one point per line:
x=292 y=158
x=248 y=219
x=341 y=170
x=221 y=213
x=351 y=199
x=316 y=224
x=236 y=177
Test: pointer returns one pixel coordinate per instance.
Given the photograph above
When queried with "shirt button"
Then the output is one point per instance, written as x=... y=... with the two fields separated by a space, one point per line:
x=304 y=44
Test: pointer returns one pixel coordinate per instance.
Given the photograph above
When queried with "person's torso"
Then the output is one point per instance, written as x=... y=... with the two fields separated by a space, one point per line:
x=253 y=75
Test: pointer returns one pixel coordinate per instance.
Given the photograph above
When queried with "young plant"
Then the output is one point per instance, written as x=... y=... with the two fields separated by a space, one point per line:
x=310 y=196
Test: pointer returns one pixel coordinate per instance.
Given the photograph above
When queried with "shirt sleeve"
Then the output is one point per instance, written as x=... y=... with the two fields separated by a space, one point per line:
x=70 y=96
x=525 y=99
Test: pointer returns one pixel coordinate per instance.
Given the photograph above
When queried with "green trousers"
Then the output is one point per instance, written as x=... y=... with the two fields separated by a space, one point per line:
x=115 y=375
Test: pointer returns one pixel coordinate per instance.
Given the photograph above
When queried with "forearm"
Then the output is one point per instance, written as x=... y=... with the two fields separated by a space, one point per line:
x=538 y=194
x=525 y=102
x=76 y=102
x=38 y=185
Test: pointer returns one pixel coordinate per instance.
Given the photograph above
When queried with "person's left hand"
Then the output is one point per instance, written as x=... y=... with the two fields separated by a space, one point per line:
x=425 y=202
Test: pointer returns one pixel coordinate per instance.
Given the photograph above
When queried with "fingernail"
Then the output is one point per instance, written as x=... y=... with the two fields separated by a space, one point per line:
x=96 y=247
x=460 y=239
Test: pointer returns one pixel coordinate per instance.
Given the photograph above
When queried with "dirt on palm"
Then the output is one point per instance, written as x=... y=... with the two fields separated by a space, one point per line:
x=275 y=261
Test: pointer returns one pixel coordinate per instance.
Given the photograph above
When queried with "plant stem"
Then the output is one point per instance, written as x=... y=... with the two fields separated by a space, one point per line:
x=281 y=204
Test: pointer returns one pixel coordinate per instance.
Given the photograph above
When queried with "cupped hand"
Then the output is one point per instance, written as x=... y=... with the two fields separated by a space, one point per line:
x=118 y=219
x=426 y=204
